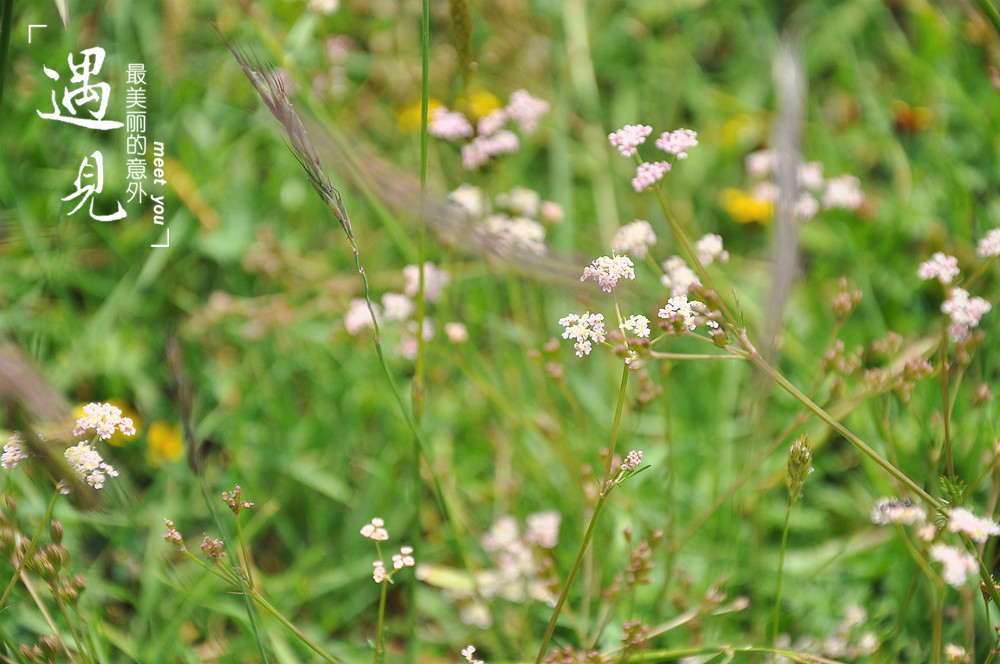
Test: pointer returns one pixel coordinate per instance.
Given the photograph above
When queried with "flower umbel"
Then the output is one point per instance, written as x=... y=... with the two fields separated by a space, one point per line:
x=677 y=142
x=939 y=266
x=629 y=137
x=104 y=418
x=88 y=465
x=375 y=530
x=607 y=270
x=649 y=173
x=583 y=329
x=957 y=563
x=979 y=529
x=634 y=238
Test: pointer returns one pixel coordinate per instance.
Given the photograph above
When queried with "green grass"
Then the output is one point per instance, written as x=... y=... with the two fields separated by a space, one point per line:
x=299 y=414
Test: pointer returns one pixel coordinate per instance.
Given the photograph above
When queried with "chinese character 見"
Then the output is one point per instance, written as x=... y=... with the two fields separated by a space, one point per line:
x=88 y=190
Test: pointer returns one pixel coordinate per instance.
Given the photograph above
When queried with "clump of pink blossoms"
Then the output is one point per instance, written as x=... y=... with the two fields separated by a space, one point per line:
x=607 y=270
x=585 y=330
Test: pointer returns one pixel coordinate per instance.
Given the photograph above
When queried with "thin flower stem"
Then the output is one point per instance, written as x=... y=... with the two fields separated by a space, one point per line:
x=784 y=383
x=945 y=402
x=379 y=635
x=550 y=629
x=28 y=552
x=588 y=536
x=693 y=356
x=246 y=554
x=263 y=603
x=419 y=386
x=937 y=616
x=614 y=427
x=781 y=569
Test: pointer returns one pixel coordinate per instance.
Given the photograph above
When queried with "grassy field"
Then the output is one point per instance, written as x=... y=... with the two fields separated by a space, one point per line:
x=484 y=446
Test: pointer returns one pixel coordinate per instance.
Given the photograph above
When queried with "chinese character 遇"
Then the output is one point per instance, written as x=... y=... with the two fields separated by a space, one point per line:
x=87 y=93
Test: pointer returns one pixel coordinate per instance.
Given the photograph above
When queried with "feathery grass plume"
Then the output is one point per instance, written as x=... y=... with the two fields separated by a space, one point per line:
x=461 y=26
x=265 y=80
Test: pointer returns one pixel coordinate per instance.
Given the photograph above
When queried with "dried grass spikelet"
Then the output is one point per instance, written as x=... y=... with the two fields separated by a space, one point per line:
x=268 y=84
x=461 y=26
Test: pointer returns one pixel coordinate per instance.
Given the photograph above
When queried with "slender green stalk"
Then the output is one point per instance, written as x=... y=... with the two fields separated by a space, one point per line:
x=246 y=553
x=946 y=402
x=28 y=552
x=379 y=626
x=263 y=603
x=606 y=487
x=419 y=385
x=937 y=616
x=781 y=570
x=6 y=11
x=587 y=537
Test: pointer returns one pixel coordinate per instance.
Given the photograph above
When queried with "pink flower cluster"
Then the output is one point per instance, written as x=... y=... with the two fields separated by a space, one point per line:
x=449 y=125
x=939 y=266
x=584 y=329
x=964 y=312
x=491 y=139
x=649 y=173
x=677 y=142
x=607 y=270
x=629 y=137
x=104 y=418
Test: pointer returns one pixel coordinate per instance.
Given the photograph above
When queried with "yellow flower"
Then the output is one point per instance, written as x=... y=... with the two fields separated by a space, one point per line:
x=744 y=208
x=479 y=104
x=118 y=438
x=408 y=117
x=165 y=443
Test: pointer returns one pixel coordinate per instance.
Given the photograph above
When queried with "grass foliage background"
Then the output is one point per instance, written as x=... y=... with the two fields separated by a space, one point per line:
x=298 y=412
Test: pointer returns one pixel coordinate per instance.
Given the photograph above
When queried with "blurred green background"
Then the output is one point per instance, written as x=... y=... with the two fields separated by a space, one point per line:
x=258 y=276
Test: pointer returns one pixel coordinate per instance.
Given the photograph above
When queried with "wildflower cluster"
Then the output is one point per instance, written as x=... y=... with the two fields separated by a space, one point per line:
x=848 y=642
x=521 y=570
x=939 y=266
x=84 y=460
x=647 y=173
x=490 y=136
x=375 y=531
x=957 y=563
x=512 y=224
x=814 y=192
x=964 y=312
x=634 y=238
x=104 y=419
x=607 y=270
x=583 y=329
x=400 y=308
